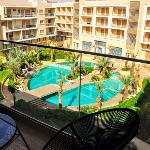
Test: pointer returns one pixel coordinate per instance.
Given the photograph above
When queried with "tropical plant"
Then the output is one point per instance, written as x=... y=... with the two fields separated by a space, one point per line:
x=36 y=53
x=127 y=81
x=95 y=78
x=103 y=65
x=133 y=54
x=109 y=48
x=60 y=90
x=15 y=59
x=53 y=51
x=73 y=58
x=99 y=89
x=136 y=77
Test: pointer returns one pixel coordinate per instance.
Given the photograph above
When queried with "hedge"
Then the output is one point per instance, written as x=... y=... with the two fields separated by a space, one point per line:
x=132 y=103
x=54 y=117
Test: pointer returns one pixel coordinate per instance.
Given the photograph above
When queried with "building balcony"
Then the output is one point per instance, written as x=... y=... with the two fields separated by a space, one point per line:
x=148 y=12
x=147 y=28
x=69 y=22
x=20 y=15
x=28 y=36
x=50 y=24
x=50 y=33
x=87 y=23
x=20 y=27
x=117 y=36
x=119 y=12
x=102 y=11
x=119 y=26
x=147 y=25
x=102 y=24
x=39 y=117
x=13 y=38
x=49 y=15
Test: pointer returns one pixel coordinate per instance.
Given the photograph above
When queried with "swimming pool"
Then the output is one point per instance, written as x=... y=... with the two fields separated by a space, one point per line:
x=47 y=75
x=110 y=88
x=89 y=64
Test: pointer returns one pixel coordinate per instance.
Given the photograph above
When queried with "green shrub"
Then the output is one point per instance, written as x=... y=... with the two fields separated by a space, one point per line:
x=60 y=55
x=108 y=74
x=11 y=85
x=71 y=77
x=57 y=118
x=85 y=69
x=3 y=75
x=132 y=103
x=125 y=69
x=95 y=78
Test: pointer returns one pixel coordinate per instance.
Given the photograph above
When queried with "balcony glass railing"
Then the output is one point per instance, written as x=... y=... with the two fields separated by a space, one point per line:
x=57 y=85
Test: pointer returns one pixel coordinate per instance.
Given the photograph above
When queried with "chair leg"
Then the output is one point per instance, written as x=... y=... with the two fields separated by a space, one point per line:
x=23 y=138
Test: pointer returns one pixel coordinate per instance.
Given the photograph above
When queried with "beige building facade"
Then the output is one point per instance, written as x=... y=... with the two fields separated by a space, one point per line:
x=103 y=26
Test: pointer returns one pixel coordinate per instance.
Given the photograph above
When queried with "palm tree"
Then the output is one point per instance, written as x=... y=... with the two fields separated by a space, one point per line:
x=73 y=58
x=103 y=65
x=133 y=54
x=60 y=90
x=99 y=89
x=136 y=77
x=109 y=48
x=53 y=51
x=127 y=81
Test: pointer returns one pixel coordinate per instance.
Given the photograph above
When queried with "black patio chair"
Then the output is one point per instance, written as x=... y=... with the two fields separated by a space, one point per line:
x=9 y=132
x=110 y=129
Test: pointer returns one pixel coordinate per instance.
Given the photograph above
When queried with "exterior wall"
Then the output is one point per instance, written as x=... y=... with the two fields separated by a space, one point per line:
x=105 y=37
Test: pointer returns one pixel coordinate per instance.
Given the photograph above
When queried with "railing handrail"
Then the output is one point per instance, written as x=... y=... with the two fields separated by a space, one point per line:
x=80 y=51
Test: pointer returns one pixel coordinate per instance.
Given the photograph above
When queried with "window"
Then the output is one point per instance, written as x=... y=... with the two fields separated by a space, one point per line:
x=86 y=46
x=41 y=11
x=41 y=21
x=117 y=51
x=41 y=32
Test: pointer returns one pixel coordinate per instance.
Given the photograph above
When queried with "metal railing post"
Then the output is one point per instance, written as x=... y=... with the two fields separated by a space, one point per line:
x=80 y=87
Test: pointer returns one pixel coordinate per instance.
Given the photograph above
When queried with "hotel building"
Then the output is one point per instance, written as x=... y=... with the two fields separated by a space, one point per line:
x=103 y=26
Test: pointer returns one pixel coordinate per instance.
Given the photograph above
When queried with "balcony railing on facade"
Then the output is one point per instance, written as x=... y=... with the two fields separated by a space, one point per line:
x=49 y=14
x=19 y=15
x=52 y=33
x=86 y=23
x=28 y=36
x=119 y=25
x=21 y=27
x=50 y=24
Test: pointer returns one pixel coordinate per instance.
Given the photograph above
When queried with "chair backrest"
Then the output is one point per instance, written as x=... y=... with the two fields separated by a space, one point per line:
x=108 y=129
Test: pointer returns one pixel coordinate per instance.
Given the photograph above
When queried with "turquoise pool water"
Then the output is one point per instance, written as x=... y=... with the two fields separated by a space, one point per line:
x=89 y=64
x=88 y=93
x=48 y=75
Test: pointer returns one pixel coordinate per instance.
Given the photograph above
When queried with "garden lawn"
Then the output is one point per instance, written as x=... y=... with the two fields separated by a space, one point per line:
x=3 y=75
